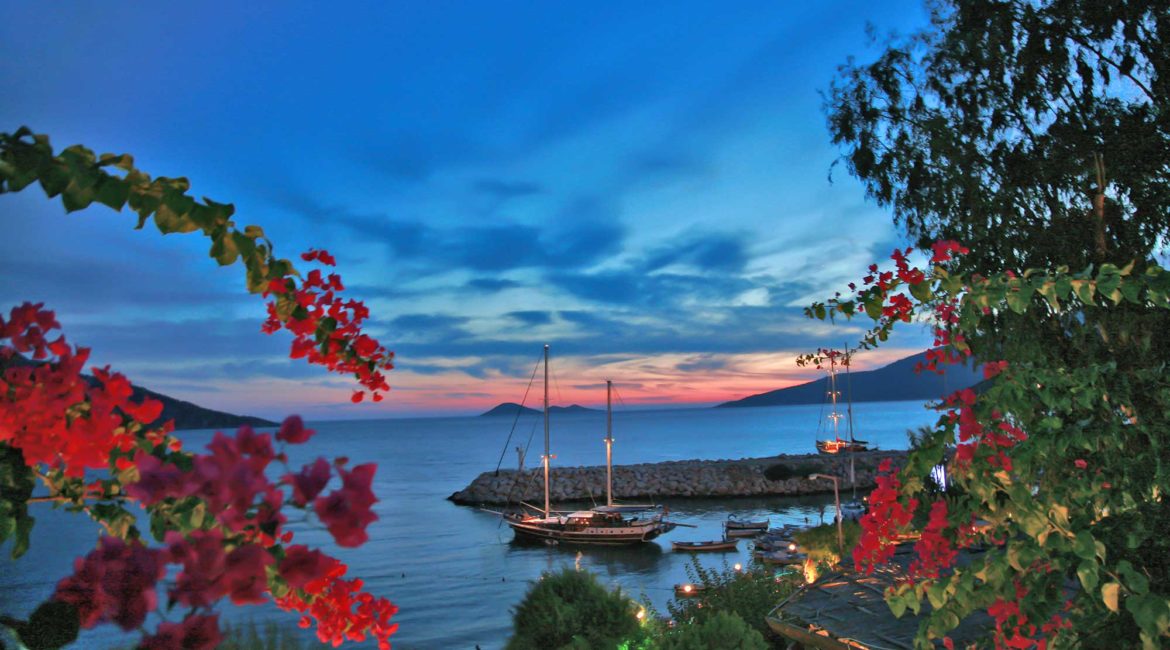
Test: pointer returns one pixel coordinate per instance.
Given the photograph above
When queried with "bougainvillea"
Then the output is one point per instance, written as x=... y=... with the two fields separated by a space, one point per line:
x=218 y=515
x=1056 y=474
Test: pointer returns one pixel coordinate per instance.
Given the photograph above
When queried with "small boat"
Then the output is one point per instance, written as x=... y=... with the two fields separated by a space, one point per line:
x=852 y=510
x=774 y=544
x=779 y=557
x=742 y=524
x=688 y=590
x=712 y=545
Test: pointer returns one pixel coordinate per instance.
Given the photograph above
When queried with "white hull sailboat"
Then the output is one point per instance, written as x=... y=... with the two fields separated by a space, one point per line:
x=608 y=525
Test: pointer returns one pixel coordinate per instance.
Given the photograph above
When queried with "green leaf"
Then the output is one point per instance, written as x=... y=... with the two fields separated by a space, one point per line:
x=1084 y=545
x=1087 y=572
x=1109 y=594
x=53 y=625
x=223 y=249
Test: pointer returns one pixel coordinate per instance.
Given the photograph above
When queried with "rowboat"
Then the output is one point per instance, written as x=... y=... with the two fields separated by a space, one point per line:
x=742 y=524
x=711 y=545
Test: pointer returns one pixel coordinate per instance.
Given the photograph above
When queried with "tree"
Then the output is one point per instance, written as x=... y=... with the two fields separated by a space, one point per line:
x=1036 y=132
x=218 y=515
x=1061 y=470
x=570 y=609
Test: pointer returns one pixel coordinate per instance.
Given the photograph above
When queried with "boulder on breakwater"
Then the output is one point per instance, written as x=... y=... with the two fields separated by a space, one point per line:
x=784 y=475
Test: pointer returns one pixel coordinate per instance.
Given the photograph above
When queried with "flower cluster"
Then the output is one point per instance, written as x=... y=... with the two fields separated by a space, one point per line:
x=327 y=329
x=886 y=518
x=51 y=413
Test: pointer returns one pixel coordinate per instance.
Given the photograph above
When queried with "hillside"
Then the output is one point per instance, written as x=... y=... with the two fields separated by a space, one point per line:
x=510 y=408
x=894 y=382
x=185 y=414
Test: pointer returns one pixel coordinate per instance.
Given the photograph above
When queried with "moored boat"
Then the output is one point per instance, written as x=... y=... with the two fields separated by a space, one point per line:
x=743 y=528
x=608 y=525
x=837 y=445
x=779 y=557
x=711 y=545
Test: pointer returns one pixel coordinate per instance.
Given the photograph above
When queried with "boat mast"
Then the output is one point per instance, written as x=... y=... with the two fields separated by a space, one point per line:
x=608 y=442
x=833 y=414
x=546 y=456
x=849 y=410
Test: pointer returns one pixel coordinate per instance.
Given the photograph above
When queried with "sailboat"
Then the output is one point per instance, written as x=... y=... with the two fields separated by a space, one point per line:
x=837 y=445
x=609 y=525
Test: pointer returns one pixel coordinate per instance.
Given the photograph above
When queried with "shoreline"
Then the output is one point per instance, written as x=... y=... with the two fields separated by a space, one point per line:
x=724 y=478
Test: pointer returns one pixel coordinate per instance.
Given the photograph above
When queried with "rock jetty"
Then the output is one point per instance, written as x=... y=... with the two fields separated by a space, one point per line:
x=784 y=475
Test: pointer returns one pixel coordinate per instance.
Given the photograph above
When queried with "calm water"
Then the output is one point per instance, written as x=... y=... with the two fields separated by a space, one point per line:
x=453 y=571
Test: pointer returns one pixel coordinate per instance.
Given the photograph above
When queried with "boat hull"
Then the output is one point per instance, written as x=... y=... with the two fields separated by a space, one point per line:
x=588 y=535
x=698 y=547
x=841 y=446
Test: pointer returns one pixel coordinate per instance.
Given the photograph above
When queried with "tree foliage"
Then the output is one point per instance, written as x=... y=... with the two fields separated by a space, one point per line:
x=1061 y=469
x=1002 y=124
x=723 y=631
x=571 y=609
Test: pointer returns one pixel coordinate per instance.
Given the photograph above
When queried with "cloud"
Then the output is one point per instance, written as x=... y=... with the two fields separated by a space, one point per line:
x=504 y=190
x=491 y=285
x=531 y=317
x=717 y=252
x=584 y=231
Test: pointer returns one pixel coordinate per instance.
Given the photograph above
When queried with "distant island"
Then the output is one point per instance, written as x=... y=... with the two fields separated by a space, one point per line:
x=894 y=382
x=511 y=408
x=185 y=414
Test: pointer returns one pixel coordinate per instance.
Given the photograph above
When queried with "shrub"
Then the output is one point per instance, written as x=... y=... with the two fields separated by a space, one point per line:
x=571 y=609
x=785 y=471
x=723 y=631
x=748 y=594
x=820 y=543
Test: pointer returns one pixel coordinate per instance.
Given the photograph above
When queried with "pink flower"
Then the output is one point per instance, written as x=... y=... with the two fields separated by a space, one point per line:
x=202 y=557
x=194 y=633
x=346 y=512
x=302 y=565
x=1080 y=463
x=309 y=482
x=156 y=480
x=114 y=583
x=293 y=431
x=244 y=577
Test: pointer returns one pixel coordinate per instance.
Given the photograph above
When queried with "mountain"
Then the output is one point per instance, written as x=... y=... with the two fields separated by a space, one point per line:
x=510 y=408
x=192 y=416
x=894 y=382
x=185 y=414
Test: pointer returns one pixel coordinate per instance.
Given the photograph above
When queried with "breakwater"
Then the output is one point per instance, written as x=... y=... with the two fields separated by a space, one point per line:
x=783 y=475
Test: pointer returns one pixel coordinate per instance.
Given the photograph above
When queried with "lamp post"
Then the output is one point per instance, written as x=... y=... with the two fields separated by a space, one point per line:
x=837 y=501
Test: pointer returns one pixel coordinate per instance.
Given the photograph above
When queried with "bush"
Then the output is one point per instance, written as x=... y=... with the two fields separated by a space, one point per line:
x=820 y=543
x=750 y=595
x=572 y=610
x=723 y=631
x=785 y=471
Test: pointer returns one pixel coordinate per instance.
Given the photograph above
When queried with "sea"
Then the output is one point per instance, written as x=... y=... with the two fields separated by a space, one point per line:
x=455 y=572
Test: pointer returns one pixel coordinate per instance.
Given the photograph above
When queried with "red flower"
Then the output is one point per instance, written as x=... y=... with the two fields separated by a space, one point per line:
x=193 y=633
x=1080 y=463
x=293 y=431
x=346 y=512
x=993 y=368
x=943 y=249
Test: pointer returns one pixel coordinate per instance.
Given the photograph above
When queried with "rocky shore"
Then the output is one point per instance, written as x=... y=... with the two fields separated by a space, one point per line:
x=784 y=475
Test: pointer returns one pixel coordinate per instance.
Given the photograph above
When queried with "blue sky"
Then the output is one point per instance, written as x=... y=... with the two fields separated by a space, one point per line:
x=643 y=186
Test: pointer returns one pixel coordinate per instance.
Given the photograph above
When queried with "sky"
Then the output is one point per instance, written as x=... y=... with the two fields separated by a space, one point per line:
x=645 y=187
